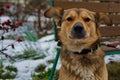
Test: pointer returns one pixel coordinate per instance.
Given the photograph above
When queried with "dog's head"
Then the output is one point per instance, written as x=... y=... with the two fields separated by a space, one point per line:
x=79 y=27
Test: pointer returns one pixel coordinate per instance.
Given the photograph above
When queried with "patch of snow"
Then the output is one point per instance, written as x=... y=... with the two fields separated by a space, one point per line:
x=47 y=38
x=4 y=18
x=32 y=18
x=26 y=68
x=110 y=58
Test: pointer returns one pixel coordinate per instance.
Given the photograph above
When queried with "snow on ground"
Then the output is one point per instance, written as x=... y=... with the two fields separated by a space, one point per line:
x=4 y=18
x=45 y=44
x=32 y=18
x=112 y=58
x=26 y=67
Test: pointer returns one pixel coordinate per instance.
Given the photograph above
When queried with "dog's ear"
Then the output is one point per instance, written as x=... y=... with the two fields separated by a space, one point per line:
x=104 y=18
x=56 y=13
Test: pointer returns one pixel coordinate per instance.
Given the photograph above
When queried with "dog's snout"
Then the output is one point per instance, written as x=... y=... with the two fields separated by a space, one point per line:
x=77 y=28
x=78 y=31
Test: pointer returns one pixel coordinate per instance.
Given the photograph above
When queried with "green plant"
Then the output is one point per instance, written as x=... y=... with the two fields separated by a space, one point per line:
x=51 y=61
x=38 y=57
x=1 y=68
x=8 y=75
x=27 y=54
x=40 y=68
x=44 y=75
x=30 y=54
x=41 y=35
x=11 y=68
x=9 y=72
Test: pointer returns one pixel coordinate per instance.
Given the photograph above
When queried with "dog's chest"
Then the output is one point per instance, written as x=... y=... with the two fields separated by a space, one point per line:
x=80 y=71
x=82 y=68
x=86 y=74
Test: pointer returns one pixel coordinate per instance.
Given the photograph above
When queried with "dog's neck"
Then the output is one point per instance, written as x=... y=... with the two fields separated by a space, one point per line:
x=86 y=51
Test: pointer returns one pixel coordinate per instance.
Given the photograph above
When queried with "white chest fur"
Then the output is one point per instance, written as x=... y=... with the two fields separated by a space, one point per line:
x=85 y=73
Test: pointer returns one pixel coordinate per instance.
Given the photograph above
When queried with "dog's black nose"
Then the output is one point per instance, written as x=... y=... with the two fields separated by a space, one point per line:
x=78 y=28
x=78 y=31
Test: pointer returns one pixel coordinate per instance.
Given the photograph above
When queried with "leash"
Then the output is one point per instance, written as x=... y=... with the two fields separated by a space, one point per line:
x=59 y=46
x=55 y=61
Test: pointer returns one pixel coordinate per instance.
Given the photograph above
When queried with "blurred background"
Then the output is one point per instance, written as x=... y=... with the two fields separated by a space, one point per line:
x=29 y=12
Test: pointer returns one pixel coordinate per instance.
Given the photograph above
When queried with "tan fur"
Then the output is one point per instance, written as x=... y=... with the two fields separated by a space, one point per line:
x=90 y=66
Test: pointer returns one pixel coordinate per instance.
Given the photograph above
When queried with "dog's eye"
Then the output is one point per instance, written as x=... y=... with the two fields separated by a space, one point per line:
x=69 y=19
x=87 y=19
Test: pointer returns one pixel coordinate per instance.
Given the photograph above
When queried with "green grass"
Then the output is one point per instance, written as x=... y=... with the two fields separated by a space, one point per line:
x=1 y=68
x=7 y=75
x=41 y=35
x=40 y=68
x=44 y=75
x=38 y=57
x=9 y=72
x=114 y=70
x=29 y=54
x=11 y=68
x=50 y=61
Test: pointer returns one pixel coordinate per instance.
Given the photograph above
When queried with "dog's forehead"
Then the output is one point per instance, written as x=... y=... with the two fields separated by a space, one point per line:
x=77 y=11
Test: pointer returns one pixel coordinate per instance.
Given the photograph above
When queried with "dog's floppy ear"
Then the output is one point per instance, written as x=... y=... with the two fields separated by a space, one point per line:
x=103 y=18
x=56 y=13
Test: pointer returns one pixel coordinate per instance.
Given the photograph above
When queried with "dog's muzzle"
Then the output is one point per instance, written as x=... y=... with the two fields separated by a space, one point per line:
x=78 y=31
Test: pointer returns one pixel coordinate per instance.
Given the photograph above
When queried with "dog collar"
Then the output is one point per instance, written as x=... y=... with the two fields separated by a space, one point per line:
x=86 y=51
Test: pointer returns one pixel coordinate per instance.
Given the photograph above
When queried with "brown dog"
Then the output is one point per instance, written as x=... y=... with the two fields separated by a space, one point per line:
x=81 y=57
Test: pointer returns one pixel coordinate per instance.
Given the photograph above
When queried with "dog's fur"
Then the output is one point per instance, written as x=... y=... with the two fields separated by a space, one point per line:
x=87 y=66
